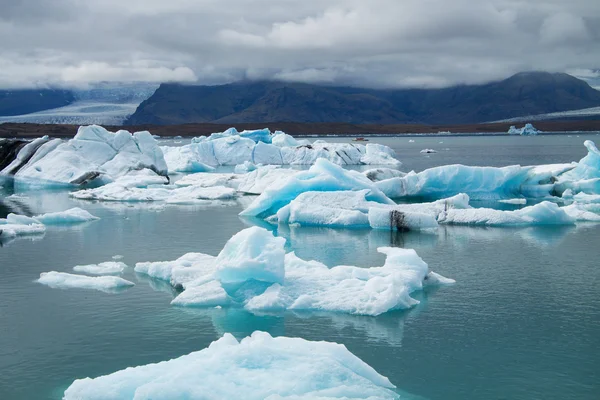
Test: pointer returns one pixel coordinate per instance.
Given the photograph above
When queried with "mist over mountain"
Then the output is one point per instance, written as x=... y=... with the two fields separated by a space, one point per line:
x=527 y=93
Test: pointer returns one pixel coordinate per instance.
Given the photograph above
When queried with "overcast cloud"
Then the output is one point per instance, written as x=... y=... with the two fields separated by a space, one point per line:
x=379 y=43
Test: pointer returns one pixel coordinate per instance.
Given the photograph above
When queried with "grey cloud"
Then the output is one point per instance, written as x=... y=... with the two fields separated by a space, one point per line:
x=380 y=43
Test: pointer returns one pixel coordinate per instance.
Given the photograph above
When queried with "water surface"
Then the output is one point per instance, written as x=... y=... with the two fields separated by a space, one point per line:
x=522 y=322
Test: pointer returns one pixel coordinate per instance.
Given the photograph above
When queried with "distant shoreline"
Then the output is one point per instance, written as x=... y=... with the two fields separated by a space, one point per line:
x=26 y=130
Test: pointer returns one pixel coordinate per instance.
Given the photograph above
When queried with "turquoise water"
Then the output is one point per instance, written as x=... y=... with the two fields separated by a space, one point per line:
x=522 y=322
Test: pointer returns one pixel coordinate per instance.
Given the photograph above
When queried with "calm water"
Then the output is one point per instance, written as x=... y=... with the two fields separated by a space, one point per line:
x=522 y=322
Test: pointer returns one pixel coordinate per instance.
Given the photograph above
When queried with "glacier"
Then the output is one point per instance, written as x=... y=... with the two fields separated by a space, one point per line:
x=94 y=155
x=259 y=366
x=63 y=280
x=253 y=271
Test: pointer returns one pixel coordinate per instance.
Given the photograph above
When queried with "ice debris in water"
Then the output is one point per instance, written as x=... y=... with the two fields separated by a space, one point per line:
x=253 y=271
x=259 y=366
x=427 y=151
x=105 y=268
x=93 y=155
x=21 y=225
x=527 y=130
x=63 y=280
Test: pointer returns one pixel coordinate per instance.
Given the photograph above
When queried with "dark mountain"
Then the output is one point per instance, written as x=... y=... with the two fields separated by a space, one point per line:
x=522 y=94
x=25 y=101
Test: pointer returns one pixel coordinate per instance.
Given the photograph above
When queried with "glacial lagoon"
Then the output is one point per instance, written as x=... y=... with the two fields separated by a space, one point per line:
x=521 y=322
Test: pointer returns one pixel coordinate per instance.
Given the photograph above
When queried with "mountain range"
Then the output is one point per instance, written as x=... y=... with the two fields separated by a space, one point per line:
x=522 y=94
x=525 y=96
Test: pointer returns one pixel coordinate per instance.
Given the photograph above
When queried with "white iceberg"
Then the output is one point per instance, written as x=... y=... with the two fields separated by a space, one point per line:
x=253 y=271
x=93 y=155
x=428 y=151
x=63 y=280
x=231 y=148
x=252 y=253
x=20 y=225
x=72 y=216
x=544 y=213
x=118 y=191
x=322 y=176
x=256 y=368
x=8 y=230
x=105 y=268
x=527 y=130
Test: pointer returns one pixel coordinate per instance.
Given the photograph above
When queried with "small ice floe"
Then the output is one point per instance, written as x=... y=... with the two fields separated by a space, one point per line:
x=63 y=280
x=105 y=268
x=427 y=151
x=513 y=201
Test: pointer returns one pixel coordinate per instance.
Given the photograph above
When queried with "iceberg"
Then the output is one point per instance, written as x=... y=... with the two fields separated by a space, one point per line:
x=8 y=230
x=63 y=280
x=259 y=366
x=105 y=268
x=233 y=148
x=428 y=151
x=116 y=191
x=94 y=155
x=72 y=216
x=20 y=225
x=252 y=253
x=480 y=183
x=322 y=176
x=544 y=213
x=253 y=271
x=527 y=130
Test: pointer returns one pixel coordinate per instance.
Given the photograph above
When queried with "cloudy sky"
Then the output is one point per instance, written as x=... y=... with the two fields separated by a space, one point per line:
x=378 y=43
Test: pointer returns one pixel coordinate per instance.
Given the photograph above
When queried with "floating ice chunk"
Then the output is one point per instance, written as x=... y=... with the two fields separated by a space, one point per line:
x=72 y=216
x=257 y=181
x=105 y=268
x=174 y=195
x=583 y=197
x=117 y=257
x=8 y=230
x=449 y=180
x=282 y=139
x=580 y=212
x=527 y=130
x=258 y=366
x=380 y=174
x=340 y=208
x=588 y=167
x=94 y=154
x=323 y=176
x=210 y=180
x=253 y=253
x=411 y=141
x=253 y=271
x=427 y=151
x=190 y=267
x=377 y=154
x=185 y=159
x=244 y=168
x=63 y=280
x=513 y=201
x=545 y=213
